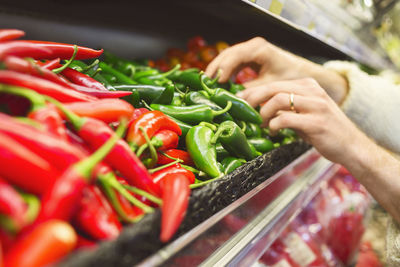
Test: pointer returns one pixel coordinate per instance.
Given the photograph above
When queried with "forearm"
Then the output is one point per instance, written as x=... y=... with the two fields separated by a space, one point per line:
x=378 y=171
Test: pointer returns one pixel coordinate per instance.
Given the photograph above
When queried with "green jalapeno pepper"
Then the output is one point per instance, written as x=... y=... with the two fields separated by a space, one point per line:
x=231 y=163
x=262 y=145
x=201 y=97
x=191 y=78
x=252 y=130
x=221 y=152
x=191 y=114
x=234 y=141
x=151 y=93
x=202 y=150
x=235 y=88
x=177 y=100
x=121 y=78
x=241 y=110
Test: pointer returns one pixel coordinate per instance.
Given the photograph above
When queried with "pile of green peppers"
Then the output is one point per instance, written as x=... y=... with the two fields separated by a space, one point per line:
x=220 y=131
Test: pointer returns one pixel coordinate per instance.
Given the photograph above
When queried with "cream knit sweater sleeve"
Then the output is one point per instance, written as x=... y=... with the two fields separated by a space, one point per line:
x=373 y=104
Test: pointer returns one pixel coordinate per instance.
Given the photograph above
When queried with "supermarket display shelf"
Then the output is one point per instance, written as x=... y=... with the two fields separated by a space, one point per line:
x=332 y=26
x=240 y=233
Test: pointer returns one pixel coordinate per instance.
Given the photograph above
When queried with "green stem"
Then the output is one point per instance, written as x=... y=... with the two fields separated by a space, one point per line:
x=165 y=166
x=203 y=84
x=85 y=69
x=110 y=180
x=147 y=105
x=33 y=206
x=98 y=70
x=141 y=149
x=190 y=168
x=213 y=81
x=76 y=121
x=209 y=125
x=222 y=111
x=244 y=126
x=218 y=133
x=153 y=151
x=37 y=100
x=193 y=186
x=85 y=166
x=143 y=193
x=171 y=71
x=66 y=65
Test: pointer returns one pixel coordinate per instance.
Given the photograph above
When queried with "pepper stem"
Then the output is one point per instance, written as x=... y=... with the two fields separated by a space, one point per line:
x=147 y=105
x=33 y=206
x=76 y=121
x=222 y=111
x=213 y=81
x=66 y=65
x=244 y=126
x=171 y=71
x=193 y=186
x=165 y=166
x=209 y=125
x=109 y=180
x=37 y=100
x=143 y=193
x=88 y=67
x=85 y=166
x=153 y=151
x=203 y=84
x=98 y=70
x=218 y=133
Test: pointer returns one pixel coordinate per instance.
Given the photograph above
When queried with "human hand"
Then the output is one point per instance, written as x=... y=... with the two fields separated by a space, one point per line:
x=274 y=64
x=315 y=116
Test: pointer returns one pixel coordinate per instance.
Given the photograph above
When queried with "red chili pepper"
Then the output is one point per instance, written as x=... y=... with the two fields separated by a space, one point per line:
x=85 y=243
x=49 y=117
x=12 y=204
x=10 y=34
x=165 y=139
x=99 y=94
x=96 y=217
x=107 y=110
x=44 y=245
x=95 y=133
x=24 y=66
x=176 y=192
x=49 y=64
x=175 y=153
x=54 y=150
x=65 y=51
x=61 y=200
x=82 y=79
x=6 y=240
x=24 y=49
x=15 y=105
x=174 y=169
x=24 y=168
x=43 y=86
x=151 y=122
x=136 y=113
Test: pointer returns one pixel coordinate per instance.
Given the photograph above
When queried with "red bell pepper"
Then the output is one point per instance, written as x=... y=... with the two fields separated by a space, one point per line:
x=55 y=151
x=23 y=49
x=174 y=153
x=95 y=133
x=176 y=192
x=61 y=200
x=12 y=204
x=43 y=86
x=44 y=245
x=24 y=168
x=176 y=168
x=82 y=79
x=96 y=217
x=64 y=51
x=10 y=34
x=107 y=110
x=49 y=64
x=151 y=122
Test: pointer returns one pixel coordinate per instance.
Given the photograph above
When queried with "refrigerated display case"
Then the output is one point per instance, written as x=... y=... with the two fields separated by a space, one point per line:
x=233 y=221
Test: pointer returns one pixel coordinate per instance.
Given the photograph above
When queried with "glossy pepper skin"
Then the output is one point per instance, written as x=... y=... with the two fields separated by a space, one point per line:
x=107 y=110
x=165 y=139
x=43 y=86
x=252 y=130
x=190 y=78
x=175 y=197
x=231 y=163
x=65 y=51
x=234 y=140
x=12 y=204
x=190 y=114
x=177 y=154
x=13 y=155
x=202 y=150
x=96 y=216
x=201 y=97
x=174 y=169
x=151 y=122
x=151 y=93
x=121 y=78
x=262 y=145
x=49 y=64
x=10 y=34
x=23 y=49
x=82 y=79
x=240 y=110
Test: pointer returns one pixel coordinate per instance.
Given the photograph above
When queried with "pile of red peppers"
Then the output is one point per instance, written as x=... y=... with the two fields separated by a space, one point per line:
x=87 y=147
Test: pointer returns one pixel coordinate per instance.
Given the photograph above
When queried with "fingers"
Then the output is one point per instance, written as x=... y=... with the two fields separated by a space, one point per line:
x=287 y=119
